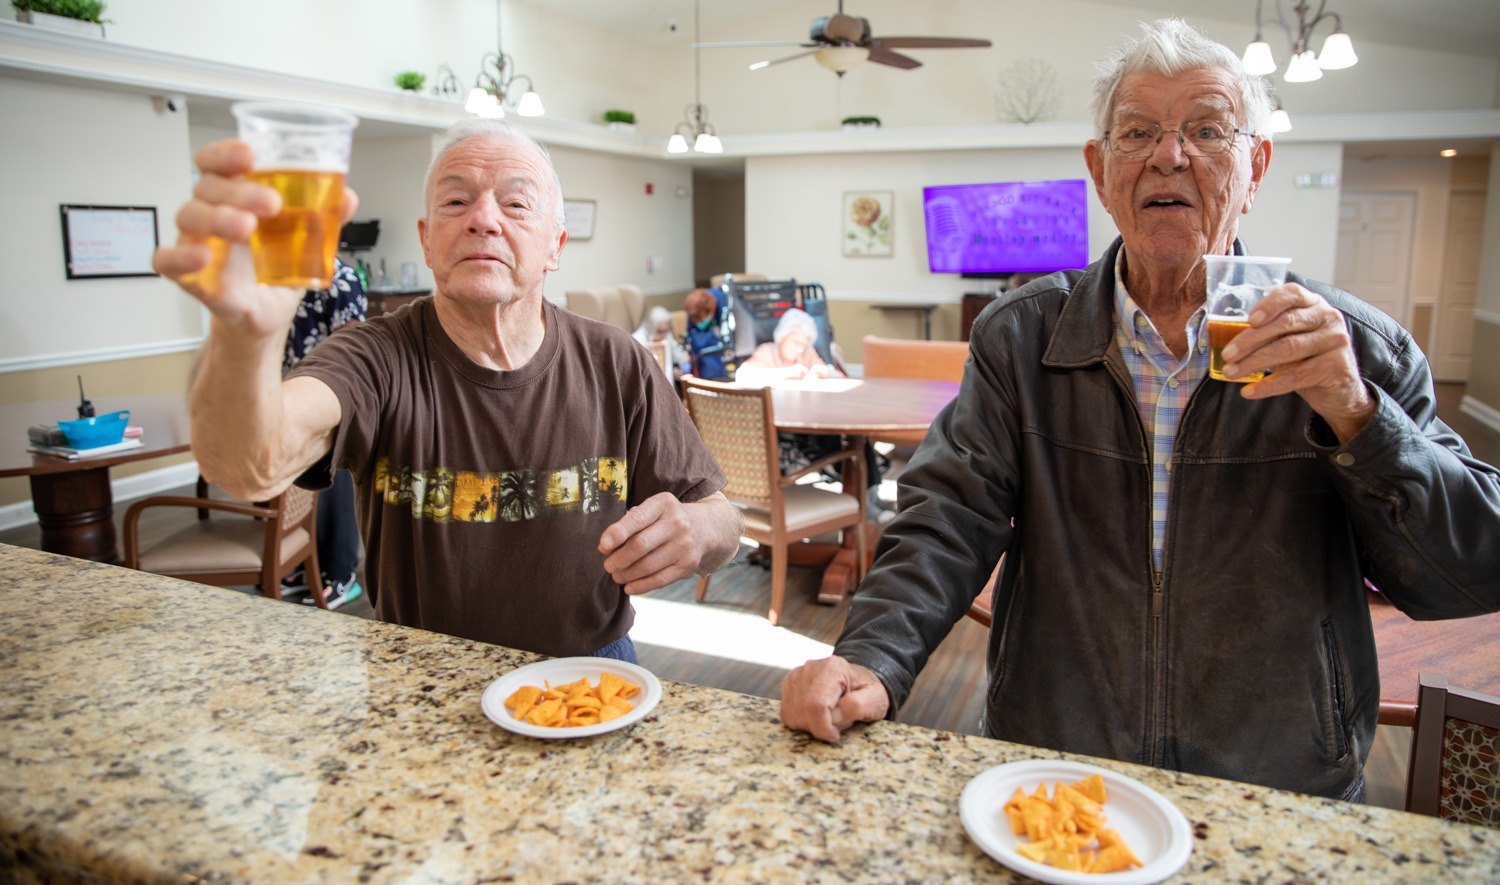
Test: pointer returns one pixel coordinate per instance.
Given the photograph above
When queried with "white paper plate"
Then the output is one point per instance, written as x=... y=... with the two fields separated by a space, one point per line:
x=560 y=671
x=1153 y=827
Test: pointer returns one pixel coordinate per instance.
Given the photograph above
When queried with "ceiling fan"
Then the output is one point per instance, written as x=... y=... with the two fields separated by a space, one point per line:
x=839 y=42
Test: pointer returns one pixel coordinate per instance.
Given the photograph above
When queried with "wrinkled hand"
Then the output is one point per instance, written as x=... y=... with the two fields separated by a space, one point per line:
x=1303 y=340
x=226 y=208
x=825 y=697
x=653 y=544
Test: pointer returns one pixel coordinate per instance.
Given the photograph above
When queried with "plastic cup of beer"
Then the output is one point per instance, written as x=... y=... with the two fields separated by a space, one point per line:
x=303 y=152
x=1236 y=283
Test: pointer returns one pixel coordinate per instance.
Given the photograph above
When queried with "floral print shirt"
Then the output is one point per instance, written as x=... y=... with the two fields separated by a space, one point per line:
x=323 y=310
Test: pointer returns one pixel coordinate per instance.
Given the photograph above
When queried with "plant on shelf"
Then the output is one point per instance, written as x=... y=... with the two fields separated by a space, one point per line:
x=83 y=10
x=618 y=119
x=411 y=81
x=862 y=122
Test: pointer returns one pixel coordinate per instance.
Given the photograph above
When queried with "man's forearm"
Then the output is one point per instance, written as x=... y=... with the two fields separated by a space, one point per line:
x=723 y=526
x=237 y=413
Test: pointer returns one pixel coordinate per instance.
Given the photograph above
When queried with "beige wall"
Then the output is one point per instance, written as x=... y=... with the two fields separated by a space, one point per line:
x=1484 y=365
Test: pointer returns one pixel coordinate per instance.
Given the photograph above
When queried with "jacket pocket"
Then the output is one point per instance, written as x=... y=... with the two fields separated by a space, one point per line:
x=1338 y=740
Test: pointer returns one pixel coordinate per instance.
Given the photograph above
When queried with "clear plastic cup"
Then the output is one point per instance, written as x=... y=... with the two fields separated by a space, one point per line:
x=303 y=152
x=1236 y=283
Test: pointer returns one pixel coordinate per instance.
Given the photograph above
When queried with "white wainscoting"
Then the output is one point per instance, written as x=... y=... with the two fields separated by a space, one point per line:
x=124 y=490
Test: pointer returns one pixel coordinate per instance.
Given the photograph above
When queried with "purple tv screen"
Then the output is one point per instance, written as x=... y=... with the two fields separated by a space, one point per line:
x=1015 y=227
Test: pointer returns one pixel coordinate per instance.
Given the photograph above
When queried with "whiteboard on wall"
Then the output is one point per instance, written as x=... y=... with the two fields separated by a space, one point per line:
x=101 y=242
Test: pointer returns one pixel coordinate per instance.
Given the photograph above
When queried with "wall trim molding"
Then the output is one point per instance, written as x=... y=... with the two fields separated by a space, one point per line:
x=895 y=297
x=1487 y=316
x=100 y=355
x=124 y=490
x=1482 y=412
x=67 y=58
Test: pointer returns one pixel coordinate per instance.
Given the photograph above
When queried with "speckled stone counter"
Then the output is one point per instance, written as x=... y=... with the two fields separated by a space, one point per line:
x=155 y=730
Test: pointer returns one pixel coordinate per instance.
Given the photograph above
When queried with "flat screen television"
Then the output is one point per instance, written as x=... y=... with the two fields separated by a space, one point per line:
x=1005 y=228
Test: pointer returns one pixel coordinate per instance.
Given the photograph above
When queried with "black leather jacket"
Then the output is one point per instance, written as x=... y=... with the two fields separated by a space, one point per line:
x=1250 y=656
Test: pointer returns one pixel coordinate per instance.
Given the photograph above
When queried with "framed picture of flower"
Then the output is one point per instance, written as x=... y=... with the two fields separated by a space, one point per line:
x=867 y=223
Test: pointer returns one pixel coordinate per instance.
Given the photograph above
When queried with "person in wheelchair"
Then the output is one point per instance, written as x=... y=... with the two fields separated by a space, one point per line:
x=791 y=355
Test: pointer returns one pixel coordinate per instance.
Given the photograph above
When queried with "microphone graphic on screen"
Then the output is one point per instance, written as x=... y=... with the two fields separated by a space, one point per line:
x=946 y=229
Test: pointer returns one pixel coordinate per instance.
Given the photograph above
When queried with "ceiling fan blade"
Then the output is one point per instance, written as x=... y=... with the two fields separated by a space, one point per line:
x=776 y=61
x=894 y=59
x=740 y=43
x=929 y=43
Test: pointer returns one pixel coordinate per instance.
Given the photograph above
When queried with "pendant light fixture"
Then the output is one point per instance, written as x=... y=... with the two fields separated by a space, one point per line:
x=493 y=91
x=695 y=128
x=1305 y=65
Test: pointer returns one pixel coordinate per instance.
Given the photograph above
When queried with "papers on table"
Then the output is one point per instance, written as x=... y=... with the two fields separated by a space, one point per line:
x=72 y=454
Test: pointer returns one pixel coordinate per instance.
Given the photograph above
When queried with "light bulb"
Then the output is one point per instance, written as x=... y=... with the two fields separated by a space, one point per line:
x=1338 y=52
x=708 y=143
x=1303 y=68
x=1281 y=121
x=1258 y=60
x=477 y=100
x=530 y=105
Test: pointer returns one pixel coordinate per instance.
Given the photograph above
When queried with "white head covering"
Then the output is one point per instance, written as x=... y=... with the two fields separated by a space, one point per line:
x=796 y=319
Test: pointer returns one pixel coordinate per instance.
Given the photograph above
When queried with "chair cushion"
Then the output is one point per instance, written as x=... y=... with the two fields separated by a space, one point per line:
x=216 y=545
x=805 y=505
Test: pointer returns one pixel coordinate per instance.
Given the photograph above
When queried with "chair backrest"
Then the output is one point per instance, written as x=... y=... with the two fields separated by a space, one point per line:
x=757 y=308
x=718 y=279
x=1455 y=754
x=623 y=305
x=902 y=358
x=738 y=427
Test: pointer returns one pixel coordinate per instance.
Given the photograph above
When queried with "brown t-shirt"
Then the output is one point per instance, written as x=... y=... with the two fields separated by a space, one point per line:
x=482 y=494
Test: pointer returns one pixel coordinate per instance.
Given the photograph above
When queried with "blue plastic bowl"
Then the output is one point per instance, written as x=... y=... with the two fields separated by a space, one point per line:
x=101 y=430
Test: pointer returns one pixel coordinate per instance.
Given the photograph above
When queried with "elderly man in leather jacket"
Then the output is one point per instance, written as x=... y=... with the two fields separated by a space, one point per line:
x=1183 y=581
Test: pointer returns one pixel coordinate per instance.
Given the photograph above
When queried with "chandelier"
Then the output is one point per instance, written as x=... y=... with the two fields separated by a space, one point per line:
x=493 y=91
x=695 y=127
x=1305 y=65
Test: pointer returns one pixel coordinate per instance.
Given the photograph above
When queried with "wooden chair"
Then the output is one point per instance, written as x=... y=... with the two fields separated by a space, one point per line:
x=1455 y=754
x=903 y=358
x=739 y=428
x=254 y=544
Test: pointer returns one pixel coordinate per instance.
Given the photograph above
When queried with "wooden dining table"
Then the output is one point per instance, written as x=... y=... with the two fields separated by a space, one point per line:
x=72 y=499
x=855 y=408
x=1466 y=650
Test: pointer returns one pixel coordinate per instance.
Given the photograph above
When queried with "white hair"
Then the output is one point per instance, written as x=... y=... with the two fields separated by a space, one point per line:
x=793 y=320
x=653 y=319
x=1170 y=46
x=481 y=127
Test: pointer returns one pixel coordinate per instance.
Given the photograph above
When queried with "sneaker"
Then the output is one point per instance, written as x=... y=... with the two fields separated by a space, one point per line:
x=296 y=582
x=336 y=593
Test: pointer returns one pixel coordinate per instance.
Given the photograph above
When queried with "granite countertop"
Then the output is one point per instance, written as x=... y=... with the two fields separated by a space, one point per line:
x=157 y=730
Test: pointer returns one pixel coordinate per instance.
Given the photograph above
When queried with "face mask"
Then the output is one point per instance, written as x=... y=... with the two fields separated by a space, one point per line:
x=703 y=324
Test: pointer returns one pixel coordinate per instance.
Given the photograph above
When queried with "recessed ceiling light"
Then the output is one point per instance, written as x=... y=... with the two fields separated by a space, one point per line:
x=1447 y=152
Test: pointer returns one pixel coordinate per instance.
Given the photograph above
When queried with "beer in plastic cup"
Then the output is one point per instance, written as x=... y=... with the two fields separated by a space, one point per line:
x=303 y=152
x=1236 y=283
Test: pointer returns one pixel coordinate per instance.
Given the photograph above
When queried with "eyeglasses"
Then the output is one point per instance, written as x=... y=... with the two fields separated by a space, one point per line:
x=1202 y=138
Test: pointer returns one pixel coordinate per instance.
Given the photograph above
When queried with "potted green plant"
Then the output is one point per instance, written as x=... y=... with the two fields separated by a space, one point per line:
x=84 y=17
x=411 y=81
x=615 y=118
x=853 y=123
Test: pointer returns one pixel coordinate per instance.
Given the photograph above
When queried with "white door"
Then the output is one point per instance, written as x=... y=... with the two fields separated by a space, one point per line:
x=1376 y=231
x=1453 y=320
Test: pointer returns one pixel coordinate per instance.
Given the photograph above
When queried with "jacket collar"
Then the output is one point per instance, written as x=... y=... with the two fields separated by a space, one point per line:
x=1085 y=329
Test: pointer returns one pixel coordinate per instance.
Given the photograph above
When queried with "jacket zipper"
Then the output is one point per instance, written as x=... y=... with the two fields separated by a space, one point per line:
x=1151 y=739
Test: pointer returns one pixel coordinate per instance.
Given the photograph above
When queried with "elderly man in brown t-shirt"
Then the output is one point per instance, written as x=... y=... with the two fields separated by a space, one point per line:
x=521 y=470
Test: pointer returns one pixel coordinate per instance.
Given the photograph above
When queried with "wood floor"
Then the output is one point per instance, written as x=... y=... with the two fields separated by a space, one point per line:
x=726 y=642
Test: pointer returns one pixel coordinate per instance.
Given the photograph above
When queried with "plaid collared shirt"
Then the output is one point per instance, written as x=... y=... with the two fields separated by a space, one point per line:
x=1163 y=386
